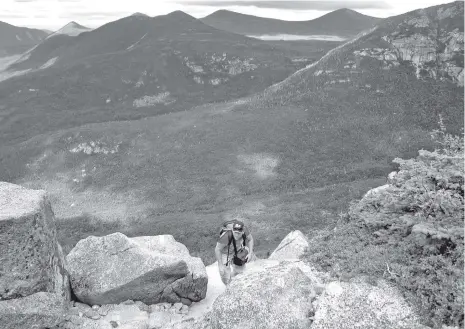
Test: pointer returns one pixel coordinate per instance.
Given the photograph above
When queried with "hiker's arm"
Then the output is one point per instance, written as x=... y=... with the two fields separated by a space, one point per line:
x=249 y=244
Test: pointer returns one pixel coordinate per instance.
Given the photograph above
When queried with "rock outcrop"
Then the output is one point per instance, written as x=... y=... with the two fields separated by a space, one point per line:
x=431 y=40
x=152 y=269
x=279 y=296
x=293 y=246
x=361 y=305
x=34 y=285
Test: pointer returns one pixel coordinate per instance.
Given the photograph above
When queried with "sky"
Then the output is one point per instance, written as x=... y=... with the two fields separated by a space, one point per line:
x=53 y=14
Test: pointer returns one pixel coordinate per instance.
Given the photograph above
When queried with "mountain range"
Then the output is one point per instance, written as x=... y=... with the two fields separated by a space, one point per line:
x=139 y=66
x=342 y=22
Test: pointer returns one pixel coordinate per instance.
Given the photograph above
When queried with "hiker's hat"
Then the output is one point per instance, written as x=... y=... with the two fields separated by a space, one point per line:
x=238 y=227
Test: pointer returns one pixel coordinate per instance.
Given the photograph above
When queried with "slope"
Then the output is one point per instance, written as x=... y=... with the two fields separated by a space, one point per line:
x=341 y=22
x=15 y=40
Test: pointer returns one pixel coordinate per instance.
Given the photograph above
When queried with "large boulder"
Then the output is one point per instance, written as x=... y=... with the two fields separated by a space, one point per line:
x=34 y=285
x=270 y=294
x=293 y=246
x=347 y=305
x=152 y=269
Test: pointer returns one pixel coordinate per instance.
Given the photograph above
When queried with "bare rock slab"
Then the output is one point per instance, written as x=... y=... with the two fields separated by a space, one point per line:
x=115 y=268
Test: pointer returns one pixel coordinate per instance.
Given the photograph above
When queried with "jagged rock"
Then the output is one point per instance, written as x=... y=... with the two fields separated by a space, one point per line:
x=32 y=266
x=39 y=310
x=360 y=305
x=292 y=246
x=391 y=177
x=374 y=192
x=431 y=41
x=276 y=296
x=114 y=268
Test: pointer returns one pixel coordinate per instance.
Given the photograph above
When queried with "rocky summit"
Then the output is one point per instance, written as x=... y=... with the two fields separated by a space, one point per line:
x=152 y=282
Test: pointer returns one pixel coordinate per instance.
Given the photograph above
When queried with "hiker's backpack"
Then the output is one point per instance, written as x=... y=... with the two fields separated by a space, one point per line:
x=227 y=226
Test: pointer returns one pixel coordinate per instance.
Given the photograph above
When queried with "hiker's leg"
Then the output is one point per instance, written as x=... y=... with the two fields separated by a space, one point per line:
x=237 y=270
x=226 y=273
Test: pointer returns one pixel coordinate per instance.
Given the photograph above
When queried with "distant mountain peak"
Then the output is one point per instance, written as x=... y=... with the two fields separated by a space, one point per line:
x=138 y=14
x=71 y=29
x=345 y=10
x=179 y=14
x=76 y=25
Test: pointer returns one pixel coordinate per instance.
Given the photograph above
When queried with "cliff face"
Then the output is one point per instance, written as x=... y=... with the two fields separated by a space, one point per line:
x=431 y=39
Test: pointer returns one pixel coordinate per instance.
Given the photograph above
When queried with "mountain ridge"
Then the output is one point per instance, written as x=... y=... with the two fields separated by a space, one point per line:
x=342 y=22
x=15 y=39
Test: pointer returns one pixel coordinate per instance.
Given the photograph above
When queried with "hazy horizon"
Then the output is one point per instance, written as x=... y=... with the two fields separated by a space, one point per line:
x=54 y=14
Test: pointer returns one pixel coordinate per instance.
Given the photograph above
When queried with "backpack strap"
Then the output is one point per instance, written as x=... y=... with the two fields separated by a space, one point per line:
x=235 y=248
x=229 y=245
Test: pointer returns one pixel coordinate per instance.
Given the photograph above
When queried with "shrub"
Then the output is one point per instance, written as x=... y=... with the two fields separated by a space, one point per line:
x=410 y=232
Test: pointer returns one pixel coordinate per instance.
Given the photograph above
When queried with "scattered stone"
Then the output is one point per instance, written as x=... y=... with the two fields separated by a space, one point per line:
x=142 y=306
x=184 y=309
x=81 y=306
x=177 y=306
x=104 y=309
x=92 y=314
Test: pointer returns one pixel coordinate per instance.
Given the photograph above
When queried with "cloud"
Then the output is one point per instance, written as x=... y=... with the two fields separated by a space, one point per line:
x=94 y=14
x=291 y=5
x=25 y=0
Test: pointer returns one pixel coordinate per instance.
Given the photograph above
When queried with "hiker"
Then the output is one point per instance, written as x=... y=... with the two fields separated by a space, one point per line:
x=234 y=249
